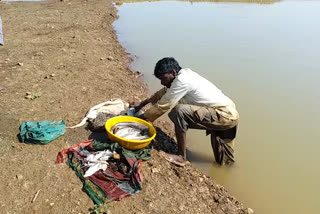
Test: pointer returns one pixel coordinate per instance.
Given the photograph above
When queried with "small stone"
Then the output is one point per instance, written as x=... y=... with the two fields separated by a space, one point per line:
x=216 y=197
x=155 y=170
x=181 y=207
x=28 y=93
x=250 y=211
x=147 y=199
x=25 y=185
x=51 y=204
x=28 y=96
x=110 y=58
x=203 y=189
x=47 y=200
x=39 y=54
x=19 y=177
x=52 y=75
x=101 y=58
x=20 y=63
x=47 y=77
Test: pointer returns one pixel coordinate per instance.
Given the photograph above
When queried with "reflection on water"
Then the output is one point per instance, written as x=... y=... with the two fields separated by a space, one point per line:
x=264 y=57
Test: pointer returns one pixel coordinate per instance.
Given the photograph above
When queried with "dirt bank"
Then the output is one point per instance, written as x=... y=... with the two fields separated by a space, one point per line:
x=65 y=55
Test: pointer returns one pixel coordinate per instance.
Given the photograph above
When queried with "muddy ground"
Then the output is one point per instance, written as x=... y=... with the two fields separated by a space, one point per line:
x=64 y=55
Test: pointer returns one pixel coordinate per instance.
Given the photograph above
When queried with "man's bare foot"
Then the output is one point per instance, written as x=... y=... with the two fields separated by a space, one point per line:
x=176 y=159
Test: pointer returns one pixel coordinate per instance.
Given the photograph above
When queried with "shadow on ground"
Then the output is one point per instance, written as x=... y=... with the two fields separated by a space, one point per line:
x=164 y=142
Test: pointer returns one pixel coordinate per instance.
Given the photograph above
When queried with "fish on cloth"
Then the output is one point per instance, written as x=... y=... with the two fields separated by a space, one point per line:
x=97 y=161
x=117 y=181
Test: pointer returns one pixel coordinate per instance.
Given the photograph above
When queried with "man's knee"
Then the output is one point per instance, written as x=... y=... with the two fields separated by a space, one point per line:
x=179 y=116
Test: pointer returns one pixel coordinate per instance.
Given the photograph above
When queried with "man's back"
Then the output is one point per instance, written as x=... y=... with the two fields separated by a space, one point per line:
x=196 y=90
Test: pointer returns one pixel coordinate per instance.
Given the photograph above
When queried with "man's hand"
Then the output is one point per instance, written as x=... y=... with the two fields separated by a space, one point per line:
x=134 y=105
x=139 y=106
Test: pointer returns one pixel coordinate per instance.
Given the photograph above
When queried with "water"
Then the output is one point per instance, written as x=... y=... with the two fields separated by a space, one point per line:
x=265 y=58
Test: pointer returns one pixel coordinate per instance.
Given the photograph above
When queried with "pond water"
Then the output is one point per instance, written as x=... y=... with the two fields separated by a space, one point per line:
x=266 y=58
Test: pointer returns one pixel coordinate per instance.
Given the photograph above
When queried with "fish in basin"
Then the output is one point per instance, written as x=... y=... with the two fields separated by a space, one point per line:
x=131 y=130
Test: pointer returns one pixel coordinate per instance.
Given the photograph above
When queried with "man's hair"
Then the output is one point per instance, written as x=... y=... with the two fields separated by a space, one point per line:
x=166 y=65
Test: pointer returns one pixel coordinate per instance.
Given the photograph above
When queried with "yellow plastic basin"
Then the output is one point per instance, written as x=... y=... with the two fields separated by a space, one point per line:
x=129 y=144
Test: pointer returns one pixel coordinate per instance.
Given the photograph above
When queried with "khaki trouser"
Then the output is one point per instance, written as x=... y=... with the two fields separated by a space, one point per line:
x=220 y=123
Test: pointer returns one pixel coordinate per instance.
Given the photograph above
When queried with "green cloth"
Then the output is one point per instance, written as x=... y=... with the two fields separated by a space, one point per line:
x=41 y=132
x=93 y=191
x=108 y=185
x=143 y=154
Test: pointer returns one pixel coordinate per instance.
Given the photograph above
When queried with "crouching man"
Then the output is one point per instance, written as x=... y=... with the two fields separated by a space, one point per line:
x=196 y=103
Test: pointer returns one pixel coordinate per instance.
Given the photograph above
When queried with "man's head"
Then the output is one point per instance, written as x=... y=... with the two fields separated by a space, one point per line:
x=166 y=70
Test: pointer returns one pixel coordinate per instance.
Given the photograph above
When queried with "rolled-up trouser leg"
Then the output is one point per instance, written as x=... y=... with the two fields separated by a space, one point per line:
x=222 y=132
x=222 y=148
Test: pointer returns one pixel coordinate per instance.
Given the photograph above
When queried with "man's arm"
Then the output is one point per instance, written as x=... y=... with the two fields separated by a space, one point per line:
x=141 y=105
x=153 y=99
x=158 y=95
x=172 y=96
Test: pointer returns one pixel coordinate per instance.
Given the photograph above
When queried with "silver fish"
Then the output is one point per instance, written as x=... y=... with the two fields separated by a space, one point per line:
x=131 y=130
